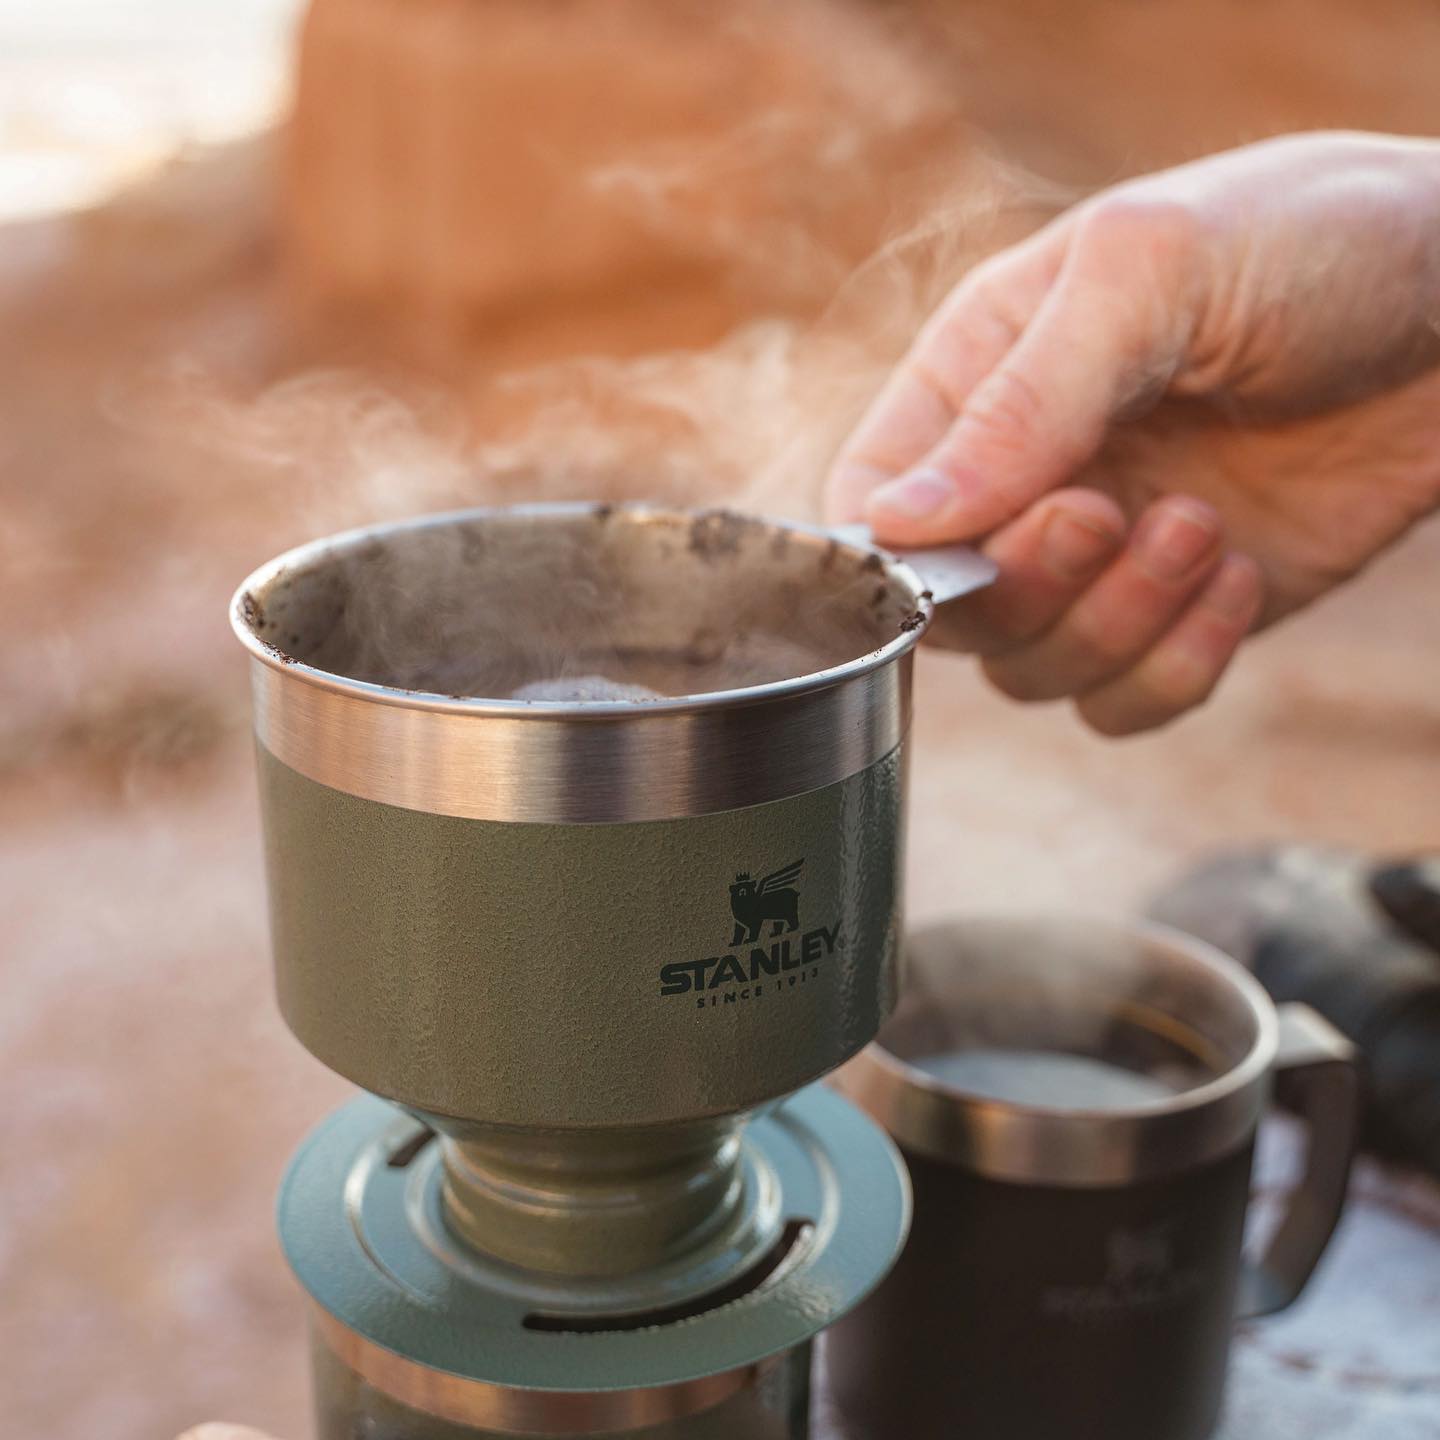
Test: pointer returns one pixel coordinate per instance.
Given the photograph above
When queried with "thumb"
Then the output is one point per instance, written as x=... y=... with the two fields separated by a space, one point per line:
x=1091 y=351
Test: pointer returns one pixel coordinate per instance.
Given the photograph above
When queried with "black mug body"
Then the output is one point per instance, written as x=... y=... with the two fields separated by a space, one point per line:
x=1046 y=1312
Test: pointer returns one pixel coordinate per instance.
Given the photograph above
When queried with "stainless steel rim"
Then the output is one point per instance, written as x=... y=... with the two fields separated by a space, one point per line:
x=563 y=762
x=1028 y=1144
x=567 y=770
x=510 y=1411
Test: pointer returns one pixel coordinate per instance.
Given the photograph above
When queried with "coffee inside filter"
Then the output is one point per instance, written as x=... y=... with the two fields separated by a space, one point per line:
x=582 y=605
x=582 y=687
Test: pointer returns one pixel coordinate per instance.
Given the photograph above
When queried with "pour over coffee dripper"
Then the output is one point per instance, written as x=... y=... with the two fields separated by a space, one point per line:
x=587 y=943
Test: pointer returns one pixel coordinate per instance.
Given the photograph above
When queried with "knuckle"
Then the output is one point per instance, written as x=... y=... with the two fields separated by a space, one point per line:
x=1153 y=695
x=987 y=288
x=1005 y=633
x=1006 y=408
x=928 y=369
x=1016 y=680
x=1016 y=626
x=1111 y=720
x=1177 y=680
x=983 y=298
x=1116 y=721
x=1100 y=650
x=990 y=291
x=1128 y=221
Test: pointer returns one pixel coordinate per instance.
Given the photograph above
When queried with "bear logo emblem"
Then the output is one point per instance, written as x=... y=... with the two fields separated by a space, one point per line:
x=772 y=898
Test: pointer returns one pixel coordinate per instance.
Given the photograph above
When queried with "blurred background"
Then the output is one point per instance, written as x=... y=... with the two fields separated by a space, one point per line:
x=269 y=269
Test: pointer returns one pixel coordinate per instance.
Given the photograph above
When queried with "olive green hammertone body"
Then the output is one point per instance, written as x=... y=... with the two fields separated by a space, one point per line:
x=511 y=972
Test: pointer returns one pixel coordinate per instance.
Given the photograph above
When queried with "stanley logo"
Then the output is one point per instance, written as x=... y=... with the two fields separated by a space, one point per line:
x=774 y=898
x=791 y=956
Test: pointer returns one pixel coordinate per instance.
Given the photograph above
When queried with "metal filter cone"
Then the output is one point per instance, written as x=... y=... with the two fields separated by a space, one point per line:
x=584 y=937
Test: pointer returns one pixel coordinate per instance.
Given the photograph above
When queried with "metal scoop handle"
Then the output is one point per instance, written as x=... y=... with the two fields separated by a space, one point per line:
x=949 y=572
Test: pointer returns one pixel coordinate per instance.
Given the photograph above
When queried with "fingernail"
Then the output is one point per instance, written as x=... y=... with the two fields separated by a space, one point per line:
x=1072 y=546
x=1175 y=542
x=917 y=496
x=1232 y=594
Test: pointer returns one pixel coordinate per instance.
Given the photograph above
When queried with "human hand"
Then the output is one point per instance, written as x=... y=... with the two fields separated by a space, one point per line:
x=1189 y=405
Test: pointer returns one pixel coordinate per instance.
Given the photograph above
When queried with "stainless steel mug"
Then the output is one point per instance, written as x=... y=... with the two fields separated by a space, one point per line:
x=1077 y=1103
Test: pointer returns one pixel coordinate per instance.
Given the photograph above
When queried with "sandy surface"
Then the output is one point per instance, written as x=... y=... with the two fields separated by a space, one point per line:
x=154 y=1092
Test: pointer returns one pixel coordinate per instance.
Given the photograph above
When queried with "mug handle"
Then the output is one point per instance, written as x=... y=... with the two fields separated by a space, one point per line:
x=1318 y=1076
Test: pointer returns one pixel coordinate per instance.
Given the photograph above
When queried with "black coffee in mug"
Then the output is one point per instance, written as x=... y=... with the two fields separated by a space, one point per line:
x=1077 y=1103
x=1042 y=1077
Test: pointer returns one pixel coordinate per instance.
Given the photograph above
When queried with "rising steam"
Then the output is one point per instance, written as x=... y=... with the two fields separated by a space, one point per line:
x=844 y=209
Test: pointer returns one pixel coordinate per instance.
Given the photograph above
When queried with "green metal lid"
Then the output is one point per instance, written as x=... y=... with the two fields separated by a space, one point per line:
x=360 y=1222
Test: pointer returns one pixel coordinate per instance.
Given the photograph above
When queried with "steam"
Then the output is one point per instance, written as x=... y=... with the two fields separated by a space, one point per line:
x=582 y=687
x=750 y=422
x=1028 y=1010
x=328 y=449
x=583 y=604
x=753 y=420
x=776 y=201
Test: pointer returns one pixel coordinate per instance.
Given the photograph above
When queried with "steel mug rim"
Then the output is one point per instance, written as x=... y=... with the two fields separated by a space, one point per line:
x=1047 y=1145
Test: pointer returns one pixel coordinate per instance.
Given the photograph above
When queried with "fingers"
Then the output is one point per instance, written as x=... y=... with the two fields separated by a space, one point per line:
x=1031 y=362
x=1139 y=632
x=1046 y=560
x=1032 y=422
x=1111 y=626
x=1187 y=663
x=962 y=342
